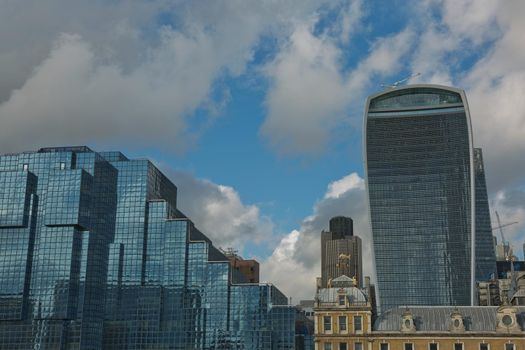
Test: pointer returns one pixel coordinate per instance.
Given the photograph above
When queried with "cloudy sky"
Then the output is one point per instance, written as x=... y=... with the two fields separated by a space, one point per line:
x=254 y=108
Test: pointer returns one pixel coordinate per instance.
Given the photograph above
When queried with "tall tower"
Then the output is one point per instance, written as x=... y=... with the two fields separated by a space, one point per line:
x=485 y=250
x=340 y=251
x=421 y=174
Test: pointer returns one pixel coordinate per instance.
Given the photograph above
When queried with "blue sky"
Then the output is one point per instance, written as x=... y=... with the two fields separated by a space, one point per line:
x=254 y=108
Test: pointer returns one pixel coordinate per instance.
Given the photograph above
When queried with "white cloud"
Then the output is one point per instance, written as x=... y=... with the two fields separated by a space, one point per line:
x=295 y=262
x=306 y=96
x=119 y=74
x=496 y=86
x=340 y=187
x=309 y=95
x=351 y=17
x=471 y=19
x=219 y=212
x=73 y=98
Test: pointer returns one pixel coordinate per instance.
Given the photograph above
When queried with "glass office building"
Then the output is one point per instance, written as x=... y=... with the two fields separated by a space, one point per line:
x=427 y=197
x=95 y=255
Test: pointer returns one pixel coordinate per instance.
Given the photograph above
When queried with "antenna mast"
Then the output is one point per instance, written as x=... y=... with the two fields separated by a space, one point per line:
x=399 y=82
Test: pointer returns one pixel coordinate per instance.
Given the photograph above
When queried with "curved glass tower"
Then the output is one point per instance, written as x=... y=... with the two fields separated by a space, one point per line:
x=420 y=174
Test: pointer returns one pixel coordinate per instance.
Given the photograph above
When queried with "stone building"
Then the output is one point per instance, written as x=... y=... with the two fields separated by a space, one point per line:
x=418 y=327
x=344 y=321
x=343 y=316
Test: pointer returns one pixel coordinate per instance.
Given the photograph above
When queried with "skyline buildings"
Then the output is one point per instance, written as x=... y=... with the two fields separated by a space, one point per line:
x=341 y=252
x=426 y=196
x=95 y=254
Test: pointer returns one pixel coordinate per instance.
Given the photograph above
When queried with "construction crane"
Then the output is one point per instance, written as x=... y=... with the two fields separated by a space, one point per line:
x=509 y=256
x=507 y=252
x=399 y=82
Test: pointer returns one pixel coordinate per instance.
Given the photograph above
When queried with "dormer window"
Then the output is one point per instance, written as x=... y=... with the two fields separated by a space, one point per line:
x=407 y=322
x=506 y=316
x=507 y=320
x=342 y=300
x=456 y=322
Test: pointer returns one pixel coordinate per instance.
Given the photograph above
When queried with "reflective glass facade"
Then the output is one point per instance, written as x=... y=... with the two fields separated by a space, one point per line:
x=423 y=209
x=95 y=255
x=485 y=252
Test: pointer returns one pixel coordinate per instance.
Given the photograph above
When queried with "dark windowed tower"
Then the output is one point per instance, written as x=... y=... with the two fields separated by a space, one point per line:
x=485 y=251
x=423 y=176
x=340 y=252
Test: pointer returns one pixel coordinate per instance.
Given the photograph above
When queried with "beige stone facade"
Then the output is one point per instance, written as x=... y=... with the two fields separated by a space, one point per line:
x=343 y=321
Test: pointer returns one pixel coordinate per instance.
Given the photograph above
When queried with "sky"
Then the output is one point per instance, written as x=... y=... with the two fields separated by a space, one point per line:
x=254 y=108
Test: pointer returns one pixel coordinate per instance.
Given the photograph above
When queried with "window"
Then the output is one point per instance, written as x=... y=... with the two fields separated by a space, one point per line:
x=458 y=346
x=433 y=346
x=483 y=346
x=342 y=300
x=342 y=346
x=358 y=346
x=327 y=323
x=384 y=346
x=342 y=324
x=25 y=167
x=358 y=323
x=507 y=320
x=509 y=346
x=409 y=346
x=62 y=166
x=327 y=346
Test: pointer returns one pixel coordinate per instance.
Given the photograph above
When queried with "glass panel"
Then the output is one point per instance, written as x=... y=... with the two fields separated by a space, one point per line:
x=342 y=323
x=358 y=326
x=327 y=323
x=416 y=97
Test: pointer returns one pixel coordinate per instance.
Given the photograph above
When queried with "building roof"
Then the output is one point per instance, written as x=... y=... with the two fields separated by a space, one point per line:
x=343 y=281
x=437 y=318
x=331 y=295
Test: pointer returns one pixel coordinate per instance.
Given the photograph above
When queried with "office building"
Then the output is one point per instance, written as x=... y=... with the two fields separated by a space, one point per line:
x=340 y=252
x=427 y=197
x=94 y=254
x=249 y=268
x=485 y=258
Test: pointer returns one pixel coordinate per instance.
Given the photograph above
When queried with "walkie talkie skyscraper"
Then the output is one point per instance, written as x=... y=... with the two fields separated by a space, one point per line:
x=422 y=175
